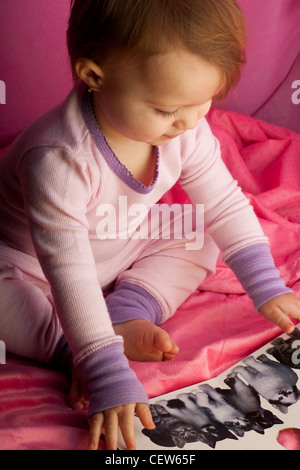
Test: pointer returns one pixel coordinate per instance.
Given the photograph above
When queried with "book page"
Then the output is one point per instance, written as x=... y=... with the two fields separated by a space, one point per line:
x=243 y=408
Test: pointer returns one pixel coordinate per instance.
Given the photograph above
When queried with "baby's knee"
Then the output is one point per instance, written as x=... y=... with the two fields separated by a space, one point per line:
x=29 y=325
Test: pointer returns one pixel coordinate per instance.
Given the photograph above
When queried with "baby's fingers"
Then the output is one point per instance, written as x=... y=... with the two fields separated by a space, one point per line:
x=111 y=429
x=127 y=422
x=127 y=426
x=145 y=416
x=96 y=425
x=279 y=309
x=293 y=308
x=282 y=321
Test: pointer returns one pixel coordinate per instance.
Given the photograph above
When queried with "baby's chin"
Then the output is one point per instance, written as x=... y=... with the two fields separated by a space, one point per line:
x=163 y=139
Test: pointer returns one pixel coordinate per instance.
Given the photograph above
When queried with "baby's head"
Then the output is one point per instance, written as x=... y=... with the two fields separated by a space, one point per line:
x=104 y=30
x=174 y=54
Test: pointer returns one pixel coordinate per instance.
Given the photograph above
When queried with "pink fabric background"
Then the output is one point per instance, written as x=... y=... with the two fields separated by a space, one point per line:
x=35 y=67
x=34 y=413
x=273 y=63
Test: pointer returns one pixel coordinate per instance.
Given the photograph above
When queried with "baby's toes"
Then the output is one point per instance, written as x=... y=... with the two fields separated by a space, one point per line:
x=170 y=355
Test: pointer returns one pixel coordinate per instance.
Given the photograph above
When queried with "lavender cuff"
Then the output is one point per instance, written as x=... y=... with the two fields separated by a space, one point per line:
x=130 y=302
x=255 y=269
x=110 y=380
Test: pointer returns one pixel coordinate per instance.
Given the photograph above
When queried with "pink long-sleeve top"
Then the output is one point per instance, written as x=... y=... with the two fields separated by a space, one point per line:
x=53 y=179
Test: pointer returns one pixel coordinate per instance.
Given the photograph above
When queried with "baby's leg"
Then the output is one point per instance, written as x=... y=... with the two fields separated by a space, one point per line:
x=29 y=325
x=150 y=292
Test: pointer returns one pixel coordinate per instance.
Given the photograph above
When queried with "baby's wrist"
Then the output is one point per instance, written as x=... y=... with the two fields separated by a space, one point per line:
x=110 y=380
x=255 y=269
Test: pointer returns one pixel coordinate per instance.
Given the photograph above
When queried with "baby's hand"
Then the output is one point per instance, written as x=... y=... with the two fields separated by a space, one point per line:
x=109 y=421
x=280 y=308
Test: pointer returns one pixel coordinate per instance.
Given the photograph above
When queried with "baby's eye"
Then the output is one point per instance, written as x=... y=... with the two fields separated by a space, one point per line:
x=167 y=114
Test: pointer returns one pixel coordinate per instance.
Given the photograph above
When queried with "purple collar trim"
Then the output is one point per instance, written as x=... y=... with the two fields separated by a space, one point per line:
x=110 y=157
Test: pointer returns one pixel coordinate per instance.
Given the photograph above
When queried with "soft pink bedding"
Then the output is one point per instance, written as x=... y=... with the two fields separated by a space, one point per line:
x=215 y=328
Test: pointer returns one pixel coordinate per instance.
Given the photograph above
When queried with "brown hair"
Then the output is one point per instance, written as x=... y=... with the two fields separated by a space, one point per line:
x=214 y=29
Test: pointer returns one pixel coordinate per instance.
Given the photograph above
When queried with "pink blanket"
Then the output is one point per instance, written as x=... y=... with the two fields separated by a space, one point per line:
x=215 y=328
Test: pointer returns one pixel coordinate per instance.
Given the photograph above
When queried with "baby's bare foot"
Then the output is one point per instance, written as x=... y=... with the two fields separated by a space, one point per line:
x=146 y=342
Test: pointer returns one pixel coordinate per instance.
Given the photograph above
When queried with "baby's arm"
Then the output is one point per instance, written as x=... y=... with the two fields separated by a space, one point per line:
x=231 y=221
x=57 y=190
x=109 y=380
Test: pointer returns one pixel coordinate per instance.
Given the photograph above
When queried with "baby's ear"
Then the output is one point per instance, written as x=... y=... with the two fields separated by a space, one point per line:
x=90 y=73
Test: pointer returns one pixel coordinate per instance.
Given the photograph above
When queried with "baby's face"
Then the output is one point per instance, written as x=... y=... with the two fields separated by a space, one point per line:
x=157 y=100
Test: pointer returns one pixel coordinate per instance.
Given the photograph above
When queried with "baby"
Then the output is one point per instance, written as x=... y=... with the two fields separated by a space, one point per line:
x=88 y=292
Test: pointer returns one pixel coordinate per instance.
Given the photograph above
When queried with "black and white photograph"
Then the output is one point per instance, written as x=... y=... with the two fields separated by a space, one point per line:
x=258 y=397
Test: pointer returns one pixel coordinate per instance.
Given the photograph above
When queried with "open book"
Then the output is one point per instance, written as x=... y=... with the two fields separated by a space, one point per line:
x=243 y=408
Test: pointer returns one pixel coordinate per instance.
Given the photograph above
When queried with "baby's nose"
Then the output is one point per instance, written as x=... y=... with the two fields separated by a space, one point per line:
x=186 y=122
